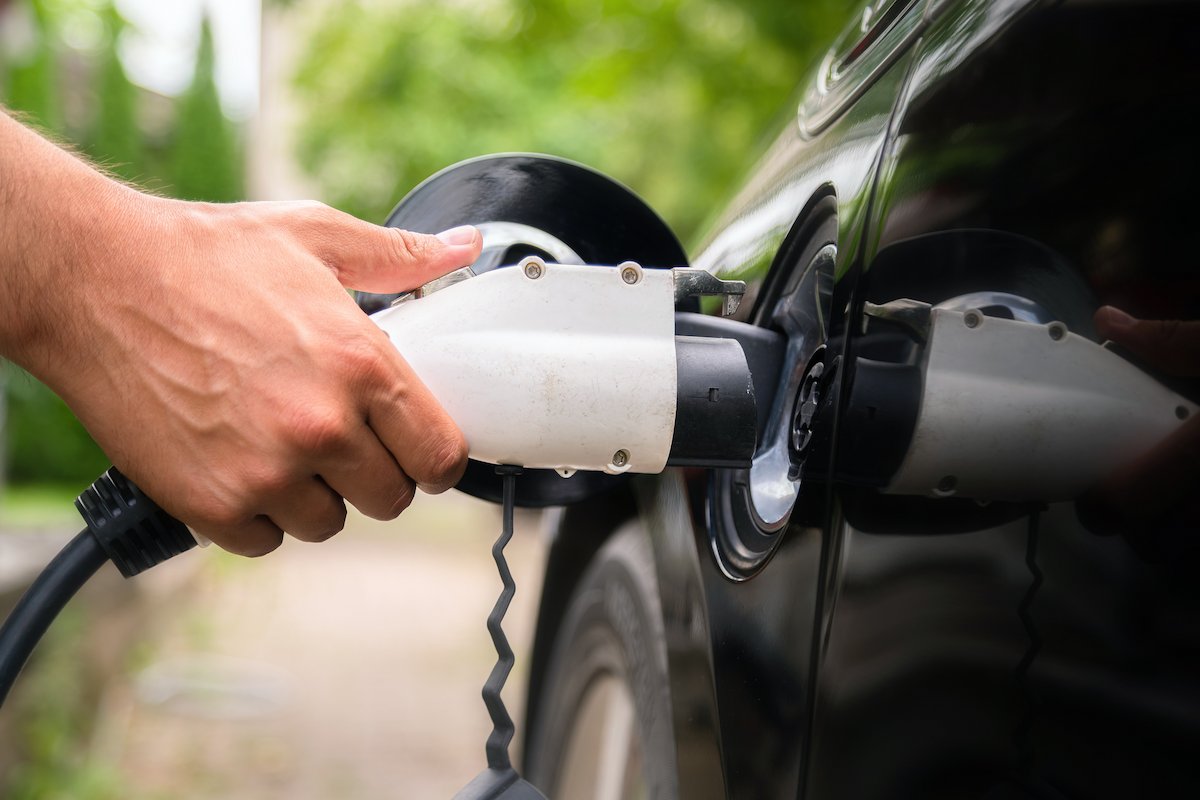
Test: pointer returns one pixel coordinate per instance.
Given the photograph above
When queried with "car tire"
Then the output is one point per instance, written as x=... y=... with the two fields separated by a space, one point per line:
x=604 y=728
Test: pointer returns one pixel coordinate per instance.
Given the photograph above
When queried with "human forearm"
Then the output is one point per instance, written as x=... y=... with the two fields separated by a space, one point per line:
x=212 y=351
x=58 y=220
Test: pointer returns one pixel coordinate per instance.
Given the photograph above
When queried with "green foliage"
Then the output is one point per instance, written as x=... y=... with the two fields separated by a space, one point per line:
x=31 y=80
x=669 y=96
x=44 y=442
x=55 y=717
x=205 y=163
x=39 y=505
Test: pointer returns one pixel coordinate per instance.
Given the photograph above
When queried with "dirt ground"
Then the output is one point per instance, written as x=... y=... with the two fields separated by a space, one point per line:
x=346 y=670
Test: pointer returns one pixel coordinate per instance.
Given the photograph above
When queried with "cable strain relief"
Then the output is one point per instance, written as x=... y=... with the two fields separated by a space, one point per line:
x=130 y=527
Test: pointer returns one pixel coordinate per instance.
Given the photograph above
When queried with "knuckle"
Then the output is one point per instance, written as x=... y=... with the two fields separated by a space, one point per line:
x=319 y=430
x=242 y=537
x=363 y=358
x=255 y=545
x=268 y=482
x=403 y=500
x=388 y=498
x=323 y=529
x=405 y=246
x=333 y=523
x=328 y=533
x=446 y=461
x=229 y=520
x=212 y=512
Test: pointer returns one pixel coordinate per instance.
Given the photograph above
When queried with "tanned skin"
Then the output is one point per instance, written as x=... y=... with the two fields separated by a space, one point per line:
x=212 y=350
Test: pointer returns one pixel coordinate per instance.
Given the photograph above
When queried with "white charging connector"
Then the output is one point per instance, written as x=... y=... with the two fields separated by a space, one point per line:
x=575 y=367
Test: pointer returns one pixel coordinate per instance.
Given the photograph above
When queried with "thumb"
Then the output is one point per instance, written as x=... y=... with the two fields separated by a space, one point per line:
x=392 y=260
x=1169 y=345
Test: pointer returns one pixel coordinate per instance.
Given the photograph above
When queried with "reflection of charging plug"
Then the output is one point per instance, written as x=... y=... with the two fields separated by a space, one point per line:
x=1020 y=411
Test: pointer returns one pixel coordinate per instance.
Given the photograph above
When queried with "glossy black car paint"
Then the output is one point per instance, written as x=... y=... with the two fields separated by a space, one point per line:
x=890 y=649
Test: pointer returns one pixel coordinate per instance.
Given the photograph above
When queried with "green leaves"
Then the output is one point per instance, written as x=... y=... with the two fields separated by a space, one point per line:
x=43 y=441
x=668 y=96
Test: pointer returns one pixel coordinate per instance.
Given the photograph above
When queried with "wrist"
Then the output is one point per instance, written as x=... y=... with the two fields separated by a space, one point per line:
x=73 y=266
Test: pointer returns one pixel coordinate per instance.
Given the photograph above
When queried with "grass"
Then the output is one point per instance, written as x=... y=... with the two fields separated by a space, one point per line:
x=53 y=713
x=39 y=506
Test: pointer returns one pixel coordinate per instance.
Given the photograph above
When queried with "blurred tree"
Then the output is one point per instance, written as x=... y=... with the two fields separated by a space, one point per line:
x=42 y=440
x=669 y=96
x=116 y=140
x=204 y=163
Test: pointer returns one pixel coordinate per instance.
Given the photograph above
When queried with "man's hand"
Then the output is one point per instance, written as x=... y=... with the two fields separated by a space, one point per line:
x=1154 y=499
x=213 y=352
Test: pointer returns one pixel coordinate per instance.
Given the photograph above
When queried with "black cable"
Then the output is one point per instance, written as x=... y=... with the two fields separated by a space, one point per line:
x=502 y=724
x=500 y=781
x=123 y=525
x=41 y=603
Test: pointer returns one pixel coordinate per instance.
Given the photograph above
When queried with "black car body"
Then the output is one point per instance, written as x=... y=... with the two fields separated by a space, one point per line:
x=859 y=646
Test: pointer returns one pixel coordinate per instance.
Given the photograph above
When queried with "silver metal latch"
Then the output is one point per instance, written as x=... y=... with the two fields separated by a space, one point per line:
x=449 y=279
x=694 y=282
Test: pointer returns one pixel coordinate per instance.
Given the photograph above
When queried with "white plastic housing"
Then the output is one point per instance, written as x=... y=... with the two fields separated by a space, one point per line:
x=1021 y=411
x=572 y=369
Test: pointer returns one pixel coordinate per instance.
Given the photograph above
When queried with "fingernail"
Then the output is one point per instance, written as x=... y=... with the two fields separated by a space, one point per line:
x=463 y=234
x=1117 y=318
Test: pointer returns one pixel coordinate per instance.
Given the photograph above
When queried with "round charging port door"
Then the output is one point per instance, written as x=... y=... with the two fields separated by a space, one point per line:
x=752 y=507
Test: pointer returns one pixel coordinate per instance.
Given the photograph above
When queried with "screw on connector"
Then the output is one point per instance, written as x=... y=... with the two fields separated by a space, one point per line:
x=947 y=485
x=620 y=458
x=630 y=273
x=534 y=268
x=1057 y=331
x=972 y=319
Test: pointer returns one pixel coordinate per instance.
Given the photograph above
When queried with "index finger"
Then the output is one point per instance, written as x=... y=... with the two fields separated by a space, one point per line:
x=417 y=431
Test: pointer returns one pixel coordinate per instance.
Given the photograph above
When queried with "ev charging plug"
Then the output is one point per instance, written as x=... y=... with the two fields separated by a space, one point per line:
x=578 y=367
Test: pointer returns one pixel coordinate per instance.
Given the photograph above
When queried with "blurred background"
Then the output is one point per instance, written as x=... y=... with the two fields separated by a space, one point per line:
x=351 y=669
